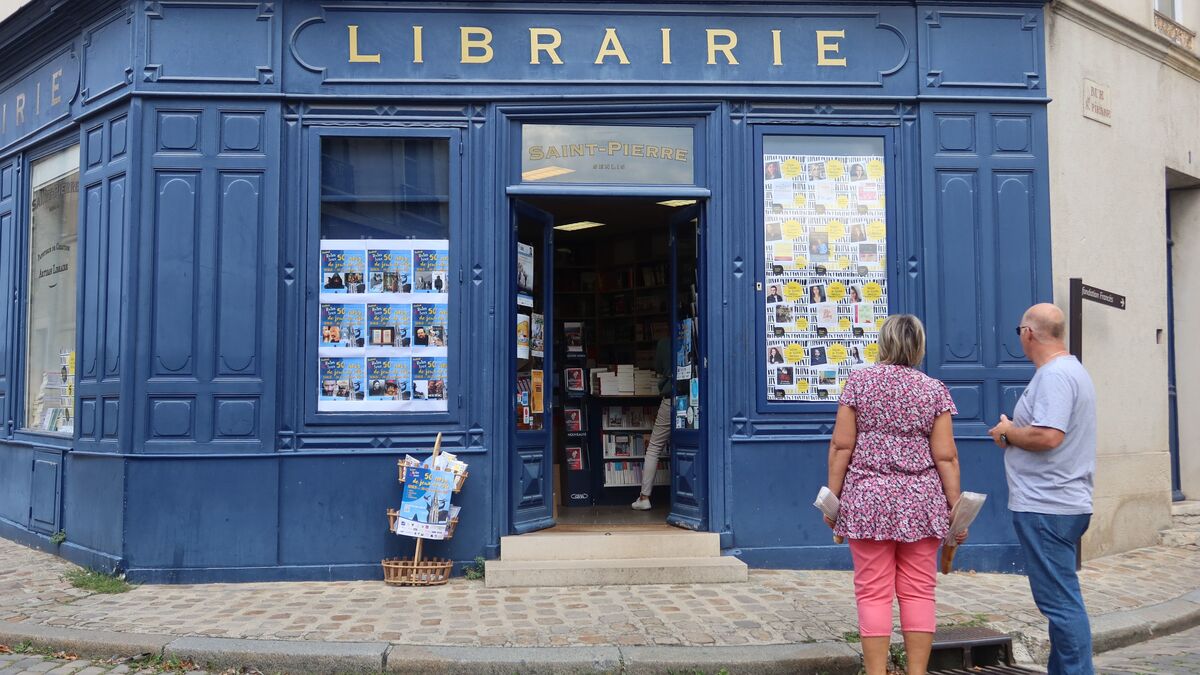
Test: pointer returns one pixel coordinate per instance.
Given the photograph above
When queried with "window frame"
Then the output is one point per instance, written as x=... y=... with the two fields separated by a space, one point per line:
x=816 y=410
x=1176 y=7
x=309 y=321
x=21 y=245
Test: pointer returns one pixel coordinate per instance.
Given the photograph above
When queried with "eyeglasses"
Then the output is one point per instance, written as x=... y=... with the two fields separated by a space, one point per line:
x=1021 y=328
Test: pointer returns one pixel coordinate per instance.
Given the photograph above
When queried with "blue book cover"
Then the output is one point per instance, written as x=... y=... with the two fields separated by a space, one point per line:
x=430 y=324
x=389 y=271
x=429 y=378
x=342 y=379
x=432 y=271
x=389 y=325
x=343 y=271
x=343 y=324
x=425 y=502
x=389 y=378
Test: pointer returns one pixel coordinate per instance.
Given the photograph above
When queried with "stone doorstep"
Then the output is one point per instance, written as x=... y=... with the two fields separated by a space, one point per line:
x=610 y=545
x=1179 y=537
x=1186 y=508
x=622 y=572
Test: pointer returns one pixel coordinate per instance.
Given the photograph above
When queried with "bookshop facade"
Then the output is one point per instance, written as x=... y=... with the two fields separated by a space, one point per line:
x=259 y=252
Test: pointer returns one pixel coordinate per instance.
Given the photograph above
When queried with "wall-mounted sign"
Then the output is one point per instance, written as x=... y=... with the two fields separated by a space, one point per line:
x=39 y=97
x=1097 y=102
x=573 y=153
x=603 y=42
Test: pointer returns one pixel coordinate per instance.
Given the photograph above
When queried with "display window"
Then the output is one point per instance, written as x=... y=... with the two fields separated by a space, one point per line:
x=384 y=278
x=50 y=304
x=824 y=280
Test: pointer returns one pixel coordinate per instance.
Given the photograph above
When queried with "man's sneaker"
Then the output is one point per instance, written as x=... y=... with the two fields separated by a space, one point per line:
x=641 y=505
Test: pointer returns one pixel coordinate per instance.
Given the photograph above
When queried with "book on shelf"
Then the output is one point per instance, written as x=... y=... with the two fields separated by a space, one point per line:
x=573 y=419
x=630 y=445
x=628 y=473
x=629 y=418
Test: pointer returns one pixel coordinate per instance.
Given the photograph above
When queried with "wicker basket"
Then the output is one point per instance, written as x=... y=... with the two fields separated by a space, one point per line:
x=427 y=572
x=393 y=514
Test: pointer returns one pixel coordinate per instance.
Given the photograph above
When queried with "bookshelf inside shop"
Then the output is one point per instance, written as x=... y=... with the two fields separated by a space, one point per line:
x=613 y=296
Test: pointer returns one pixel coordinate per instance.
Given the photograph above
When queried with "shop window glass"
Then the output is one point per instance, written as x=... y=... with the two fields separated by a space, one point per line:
x=50 y=308
x=384 y=275
x=824 y=279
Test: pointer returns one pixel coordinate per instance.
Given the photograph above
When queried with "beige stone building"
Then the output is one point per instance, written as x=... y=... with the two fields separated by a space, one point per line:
x=1124 y=130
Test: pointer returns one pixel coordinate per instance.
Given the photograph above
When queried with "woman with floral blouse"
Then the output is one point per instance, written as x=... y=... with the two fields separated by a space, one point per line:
x=893 y=464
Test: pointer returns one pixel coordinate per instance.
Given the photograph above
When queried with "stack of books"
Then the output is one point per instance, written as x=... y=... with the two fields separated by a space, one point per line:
x=617 y=474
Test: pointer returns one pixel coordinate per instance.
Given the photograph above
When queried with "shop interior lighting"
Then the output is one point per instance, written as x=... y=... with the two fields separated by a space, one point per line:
x=545 y=172
x=581 y=225
x=677 y=202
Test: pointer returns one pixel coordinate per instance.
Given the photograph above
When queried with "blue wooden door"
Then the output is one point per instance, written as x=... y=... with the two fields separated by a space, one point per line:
x=532 y=419
x=689 y=475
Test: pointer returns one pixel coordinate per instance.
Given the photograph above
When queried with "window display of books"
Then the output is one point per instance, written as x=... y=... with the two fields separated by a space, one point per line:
x=55 y=403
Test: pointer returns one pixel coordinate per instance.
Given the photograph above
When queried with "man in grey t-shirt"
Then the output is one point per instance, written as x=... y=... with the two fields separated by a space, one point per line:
x=1050 y=460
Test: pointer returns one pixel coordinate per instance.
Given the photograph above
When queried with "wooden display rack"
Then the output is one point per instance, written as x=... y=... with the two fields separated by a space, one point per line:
x=414 y=571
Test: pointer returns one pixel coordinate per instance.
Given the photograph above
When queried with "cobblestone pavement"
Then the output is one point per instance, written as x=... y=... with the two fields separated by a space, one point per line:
x=774 y=607
x=1177 y=654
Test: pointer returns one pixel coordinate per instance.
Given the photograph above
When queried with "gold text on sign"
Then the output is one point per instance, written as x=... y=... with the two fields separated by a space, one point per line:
x=721 y=44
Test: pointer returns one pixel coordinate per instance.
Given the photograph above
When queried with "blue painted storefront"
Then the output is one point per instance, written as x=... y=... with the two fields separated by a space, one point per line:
x=198 y=453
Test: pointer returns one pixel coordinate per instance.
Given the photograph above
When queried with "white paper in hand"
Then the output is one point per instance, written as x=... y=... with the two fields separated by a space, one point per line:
x=964 y=513
x=828 y=503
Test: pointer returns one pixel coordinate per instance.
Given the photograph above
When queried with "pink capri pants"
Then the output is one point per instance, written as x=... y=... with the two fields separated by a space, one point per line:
x=887 y=569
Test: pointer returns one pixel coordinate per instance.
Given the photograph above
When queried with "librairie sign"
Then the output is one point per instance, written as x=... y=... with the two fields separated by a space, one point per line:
x=585 y=44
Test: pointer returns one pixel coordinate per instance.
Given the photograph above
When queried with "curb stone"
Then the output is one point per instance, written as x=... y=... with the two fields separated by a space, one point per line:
x=292 y=656
x=1109 y=631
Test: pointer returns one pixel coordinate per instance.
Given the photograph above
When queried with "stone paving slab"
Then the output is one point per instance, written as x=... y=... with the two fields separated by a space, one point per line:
x=775 y=607
x=1177 y=654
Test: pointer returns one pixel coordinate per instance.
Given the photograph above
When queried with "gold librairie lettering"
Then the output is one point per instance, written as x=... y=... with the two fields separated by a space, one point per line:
x=475 y=46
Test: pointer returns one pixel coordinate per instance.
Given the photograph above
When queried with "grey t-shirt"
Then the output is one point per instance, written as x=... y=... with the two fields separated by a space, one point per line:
x=1057 y=481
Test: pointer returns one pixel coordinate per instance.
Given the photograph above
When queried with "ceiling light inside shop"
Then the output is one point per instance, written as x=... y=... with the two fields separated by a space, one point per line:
x=677 y=202
x=581 y=225
x=545 y=172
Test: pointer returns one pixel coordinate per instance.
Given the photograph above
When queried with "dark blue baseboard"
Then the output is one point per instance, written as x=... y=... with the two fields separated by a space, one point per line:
x=1002 y=558
x=80 y=555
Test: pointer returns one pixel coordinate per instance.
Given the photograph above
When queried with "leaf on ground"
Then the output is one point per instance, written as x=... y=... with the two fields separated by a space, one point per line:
x=5 y=649
x=66 y=656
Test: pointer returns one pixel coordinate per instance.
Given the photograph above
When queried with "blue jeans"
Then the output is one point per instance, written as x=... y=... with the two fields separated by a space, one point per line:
x=1049 y=545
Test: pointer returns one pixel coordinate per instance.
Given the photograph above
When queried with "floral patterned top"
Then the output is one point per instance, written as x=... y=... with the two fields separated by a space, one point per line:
x=892 y=490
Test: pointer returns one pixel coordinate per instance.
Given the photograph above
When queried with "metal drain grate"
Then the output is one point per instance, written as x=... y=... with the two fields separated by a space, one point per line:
x=973 y=649
x=989 y=670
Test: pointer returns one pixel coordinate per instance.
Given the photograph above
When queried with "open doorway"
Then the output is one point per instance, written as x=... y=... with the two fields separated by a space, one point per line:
x=608 y=292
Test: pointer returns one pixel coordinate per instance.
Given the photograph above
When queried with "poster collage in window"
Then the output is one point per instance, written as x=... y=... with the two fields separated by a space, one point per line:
x=384 y=322
x=825 y=285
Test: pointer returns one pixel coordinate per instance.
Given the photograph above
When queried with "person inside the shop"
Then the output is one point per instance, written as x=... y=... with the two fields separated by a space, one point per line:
x=662 y=422
x=897 y=485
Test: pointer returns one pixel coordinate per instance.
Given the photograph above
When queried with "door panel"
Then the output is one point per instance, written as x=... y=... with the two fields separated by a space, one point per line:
x=532 y=419
x=689 y=502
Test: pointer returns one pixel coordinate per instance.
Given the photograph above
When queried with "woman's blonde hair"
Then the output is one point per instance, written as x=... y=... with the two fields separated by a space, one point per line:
x=902 y=341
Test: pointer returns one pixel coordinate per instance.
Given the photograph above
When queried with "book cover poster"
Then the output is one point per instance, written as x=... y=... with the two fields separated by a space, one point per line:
x=573 y=420
x=522 y=336
x=537 y=335
x=429 y=378
x=389 y=325
x=389 y=378
x=573 y=337
x=343 y=271
x=525 y=267
x=536 y=392
x=389 y=271
x=432 y=271
x=575 y=458
x=342 y=324
x=575 y=380
x=824 y=270
x=342 y=378
x=425 y=503
x=430 y=320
